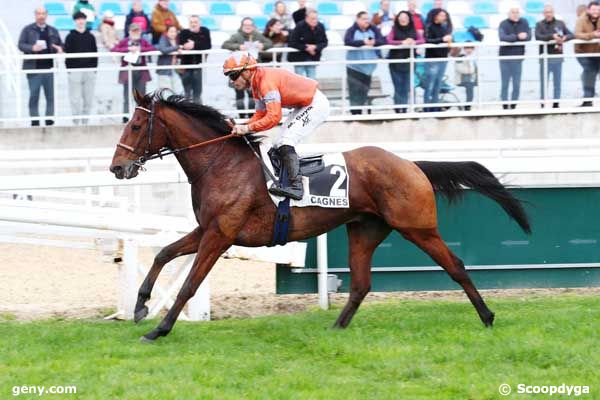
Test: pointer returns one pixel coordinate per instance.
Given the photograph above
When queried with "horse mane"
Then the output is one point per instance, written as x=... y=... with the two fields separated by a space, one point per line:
x=208 y=115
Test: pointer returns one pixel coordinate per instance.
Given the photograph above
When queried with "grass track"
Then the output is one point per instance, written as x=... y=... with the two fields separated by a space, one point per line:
x=397 y=350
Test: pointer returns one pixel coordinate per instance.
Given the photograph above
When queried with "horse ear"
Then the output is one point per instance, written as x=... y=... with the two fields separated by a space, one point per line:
x=138 y=97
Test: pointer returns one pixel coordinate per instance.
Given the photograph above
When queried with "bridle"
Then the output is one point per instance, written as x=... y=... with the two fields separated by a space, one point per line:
x=165 y=151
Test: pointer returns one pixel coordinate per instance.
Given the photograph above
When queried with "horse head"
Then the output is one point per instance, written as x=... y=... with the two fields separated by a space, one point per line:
x=143 y=136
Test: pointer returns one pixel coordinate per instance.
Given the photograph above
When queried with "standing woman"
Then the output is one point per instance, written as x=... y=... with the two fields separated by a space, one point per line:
x=168 y=45
x=438 y=32
x=274 y=31
x=403 y=33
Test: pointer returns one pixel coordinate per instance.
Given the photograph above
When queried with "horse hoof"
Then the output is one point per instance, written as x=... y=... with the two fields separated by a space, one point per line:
x=145 y=340
x=489 y=322
x=140 y=314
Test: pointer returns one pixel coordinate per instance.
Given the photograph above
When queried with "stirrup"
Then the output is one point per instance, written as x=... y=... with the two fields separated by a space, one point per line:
x=290 y=192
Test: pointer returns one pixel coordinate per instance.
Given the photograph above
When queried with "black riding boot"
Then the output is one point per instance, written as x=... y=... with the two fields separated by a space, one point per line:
x=289 y=162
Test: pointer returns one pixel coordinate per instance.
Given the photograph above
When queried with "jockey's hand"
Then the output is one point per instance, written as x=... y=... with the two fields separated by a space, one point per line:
x=240 y=130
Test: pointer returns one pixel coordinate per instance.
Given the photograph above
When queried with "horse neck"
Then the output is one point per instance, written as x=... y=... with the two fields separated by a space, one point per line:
x=195 y=162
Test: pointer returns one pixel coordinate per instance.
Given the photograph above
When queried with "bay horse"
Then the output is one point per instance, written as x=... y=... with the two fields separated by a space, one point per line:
x=232 y=207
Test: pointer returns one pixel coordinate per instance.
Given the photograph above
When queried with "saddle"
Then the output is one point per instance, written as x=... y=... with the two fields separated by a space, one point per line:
x=309 y=165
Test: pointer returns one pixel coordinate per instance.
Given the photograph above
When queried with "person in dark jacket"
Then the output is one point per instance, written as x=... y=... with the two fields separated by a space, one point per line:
x=438 y=32
x=137 y=16
x=196 y=37
x=40 y=38
x=513 y=29
x=437 y=6
x=310 y=39
x=366 y=36
x=82 y=84
x=169 y=46
x=546 y=30
x=403 y=33
x=300 y=14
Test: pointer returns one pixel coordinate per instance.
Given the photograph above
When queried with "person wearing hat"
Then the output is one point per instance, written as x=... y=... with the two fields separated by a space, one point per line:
x=134 y=44
x=88 y=10
x=82 y=84
x=274 y=89
x=108 y=31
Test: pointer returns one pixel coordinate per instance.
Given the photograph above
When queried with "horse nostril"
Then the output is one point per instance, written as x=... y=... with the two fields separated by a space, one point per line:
x=116 y=169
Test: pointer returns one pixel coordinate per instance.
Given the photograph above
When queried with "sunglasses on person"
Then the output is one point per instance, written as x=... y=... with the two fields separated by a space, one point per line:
x=234 y=75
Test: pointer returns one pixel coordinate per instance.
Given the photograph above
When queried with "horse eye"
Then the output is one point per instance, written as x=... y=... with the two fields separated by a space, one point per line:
x=136 y=127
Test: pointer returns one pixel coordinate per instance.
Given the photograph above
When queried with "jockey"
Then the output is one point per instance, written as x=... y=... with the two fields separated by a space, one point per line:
x=272 y=89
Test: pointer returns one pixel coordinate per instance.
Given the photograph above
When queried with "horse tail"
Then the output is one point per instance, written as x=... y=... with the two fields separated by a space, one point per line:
x=451 y=178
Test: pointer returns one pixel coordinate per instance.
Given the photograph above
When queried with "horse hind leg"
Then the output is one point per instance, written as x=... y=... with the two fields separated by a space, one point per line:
x=363 y=238
x=184 y=246
x=430 y=242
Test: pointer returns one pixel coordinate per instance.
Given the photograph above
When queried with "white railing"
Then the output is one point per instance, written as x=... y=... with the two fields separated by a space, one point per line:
x=332 y=60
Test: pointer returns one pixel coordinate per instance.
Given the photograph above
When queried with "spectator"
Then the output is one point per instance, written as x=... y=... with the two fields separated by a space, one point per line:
x=581 y=10
x=545 y=30
x=403 y=33
x=82 y=84
x=310 y=38
x=438 y=5
x=134 y=44
x=513 y=29
x=251 y=40
x=300 y=14
x=40 y=38
x=275 y=33
x=416 y=18
x=162 y=17
x=197 y=37
x=588 y=28
x=361 y=34
x=383 y=19
x=137 y=16
x=107 y=30
x=169 y=46
x=466 y=73
x=280 y=13
x=88 y=10
x=438 y=32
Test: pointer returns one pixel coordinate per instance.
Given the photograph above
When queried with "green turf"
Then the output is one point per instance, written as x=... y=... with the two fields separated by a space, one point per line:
x=397 y=350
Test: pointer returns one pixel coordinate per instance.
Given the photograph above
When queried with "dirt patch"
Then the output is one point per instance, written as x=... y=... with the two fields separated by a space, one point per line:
x=41 y=282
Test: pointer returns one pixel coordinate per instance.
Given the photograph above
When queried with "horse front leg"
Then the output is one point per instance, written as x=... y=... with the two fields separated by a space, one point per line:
x=184 y=246
x=212 y=245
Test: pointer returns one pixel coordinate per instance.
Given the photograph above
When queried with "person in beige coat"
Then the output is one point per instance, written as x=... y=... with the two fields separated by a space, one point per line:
x=588 y=28
x=108 y=33
x=465 y=69
x=162 y=18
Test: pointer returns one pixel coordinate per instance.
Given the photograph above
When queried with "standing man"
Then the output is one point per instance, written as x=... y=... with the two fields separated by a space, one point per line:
x=300 y=14
x=162 y=17
x=361 y=34
x=588 y=28
x=310 y=39
x=514 y=29
x=195 y=38
x=40 y=38
x=383 y=19
x=88 y=10
x=82 y=84
x=546 y=30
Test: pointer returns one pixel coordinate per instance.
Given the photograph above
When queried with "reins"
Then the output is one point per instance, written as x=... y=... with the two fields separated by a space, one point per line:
x=161 y=152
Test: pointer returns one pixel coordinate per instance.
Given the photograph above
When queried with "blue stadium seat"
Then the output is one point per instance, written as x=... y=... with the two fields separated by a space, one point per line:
x=173 y=7
x=425 y=8
x=260 y=22
x=477 y=21
x=329 y=8
x=531 y=20
x=64 y=23
x=374 y=7
x=268 y=8
x=485 y=7
x=463 y=36
x=56 y=8
x=209 y=23
x=221 y=9
x=112 y=6
x=534 y=7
